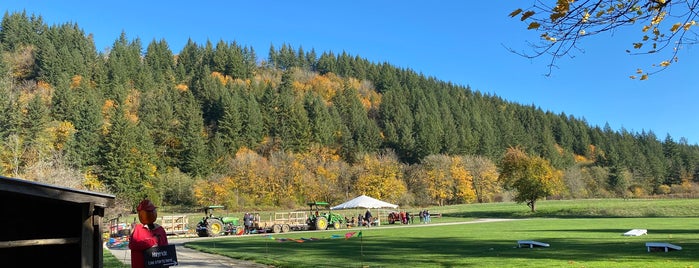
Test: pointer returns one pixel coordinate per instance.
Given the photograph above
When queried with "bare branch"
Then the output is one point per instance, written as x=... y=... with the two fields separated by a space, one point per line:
x=565 y=24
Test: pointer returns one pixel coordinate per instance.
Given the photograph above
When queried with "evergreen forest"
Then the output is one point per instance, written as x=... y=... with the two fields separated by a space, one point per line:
x=220 y=123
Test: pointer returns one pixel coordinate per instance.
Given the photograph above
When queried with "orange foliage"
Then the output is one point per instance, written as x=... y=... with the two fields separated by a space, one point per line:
x=367 y=93
x=240 y=82
x=182 y=87
x=43 y=85
x=300 y=87
x=327 y=85
x=582 y=159
x=75 y=81
x=107 y=108
x=221 y=78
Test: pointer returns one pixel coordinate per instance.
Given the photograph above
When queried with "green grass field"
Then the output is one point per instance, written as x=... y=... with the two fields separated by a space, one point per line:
x=581 y=233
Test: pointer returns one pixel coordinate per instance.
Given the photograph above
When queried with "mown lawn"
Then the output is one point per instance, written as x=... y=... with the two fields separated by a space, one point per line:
x=581 y=233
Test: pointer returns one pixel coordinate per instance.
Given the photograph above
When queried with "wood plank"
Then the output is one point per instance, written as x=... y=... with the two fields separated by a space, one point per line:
x=39 y=242
x=531 y=243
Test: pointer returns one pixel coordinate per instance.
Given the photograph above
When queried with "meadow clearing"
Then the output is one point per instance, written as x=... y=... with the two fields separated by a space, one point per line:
x=581 y=233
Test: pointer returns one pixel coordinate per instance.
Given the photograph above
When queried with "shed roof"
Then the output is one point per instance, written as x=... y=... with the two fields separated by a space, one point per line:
x=44 y=190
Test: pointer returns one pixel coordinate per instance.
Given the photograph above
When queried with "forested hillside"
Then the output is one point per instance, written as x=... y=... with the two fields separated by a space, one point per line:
x=218 y=123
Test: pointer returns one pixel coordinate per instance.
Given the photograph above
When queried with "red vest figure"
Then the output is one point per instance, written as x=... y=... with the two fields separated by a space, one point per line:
x=145 y=235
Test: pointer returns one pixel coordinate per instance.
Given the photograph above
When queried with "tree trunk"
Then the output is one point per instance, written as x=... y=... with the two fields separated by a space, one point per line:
x=532 y=205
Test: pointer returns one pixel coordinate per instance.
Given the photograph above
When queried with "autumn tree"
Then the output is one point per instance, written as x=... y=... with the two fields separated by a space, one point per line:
x=531 y=177
x=485 y=177
x=447 y=179
x=664 y=26
x=380 y=176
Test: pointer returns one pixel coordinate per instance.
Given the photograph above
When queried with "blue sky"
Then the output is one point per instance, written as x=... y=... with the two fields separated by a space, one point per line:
x=459 y=41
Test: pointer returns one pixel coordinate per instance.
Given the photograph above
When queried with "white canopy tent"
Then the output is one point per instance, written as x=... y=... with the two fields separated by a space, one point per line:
x=367 y=202
x=364 y=201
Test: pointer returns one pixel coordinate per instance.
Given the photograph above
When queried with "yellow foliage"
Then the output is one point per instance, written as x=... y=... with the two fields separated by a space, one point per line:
x=658 y=18
x=534 y=25
x=43 y=85
x=107 y=109
x=182 y=87
x=75 y=81
x=380 y=177
x=107 y=106
x=221 y=78
x=582 y=159
x=326 y=85
x=547 y=37
x=367 y=93
x=586 y=17
x=91 y=182
x=132 y=103
x=675 y=27
x=300 y=87
x=61 y=134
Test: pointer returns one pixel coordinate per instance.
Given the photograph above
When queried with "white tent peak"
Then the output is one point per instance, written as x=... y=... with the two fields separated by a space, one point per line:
x=364 y=201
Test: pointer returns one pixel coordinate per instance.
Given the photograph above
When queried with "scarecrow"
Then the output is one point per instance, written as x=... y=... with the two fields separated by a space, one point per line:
x=145 y=235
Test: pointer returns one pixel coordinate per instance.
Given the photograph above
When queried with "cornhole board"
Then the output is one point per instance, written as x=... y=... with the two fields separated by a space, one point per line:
x=636 y=232
x=531 y=243
x=654 y=246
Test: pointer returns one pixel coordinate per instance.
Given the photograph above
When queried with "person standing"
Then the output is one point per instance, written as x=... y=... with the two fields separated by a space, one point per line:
x=145 y=235
x=368 y=218
x=247 y=220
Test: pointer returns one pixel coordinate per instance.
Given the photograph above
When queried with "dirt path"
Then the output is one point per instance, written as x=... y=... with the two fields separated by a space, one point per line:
x=188 y=258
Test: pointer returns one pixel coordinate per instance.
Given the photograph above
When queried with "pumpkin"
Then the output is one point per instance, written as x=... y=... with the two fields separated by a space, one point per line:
x=147 y=212
x=147 y=217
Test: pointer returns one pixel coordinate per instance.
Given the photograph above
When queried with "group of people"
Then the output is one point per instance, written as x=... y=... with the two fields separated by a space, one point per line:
x=404 y=217
x=361 y=220
x=425 y=216
x=249 y=222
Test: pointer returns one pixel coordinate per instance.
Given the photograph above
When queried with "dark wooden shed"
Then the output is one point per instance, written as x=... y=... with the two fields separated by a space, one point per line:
x=43 y=225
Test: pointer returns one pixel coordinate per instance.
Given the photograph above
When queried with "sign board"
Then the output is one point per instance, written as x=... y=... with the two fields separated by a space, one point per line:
x=161 y=256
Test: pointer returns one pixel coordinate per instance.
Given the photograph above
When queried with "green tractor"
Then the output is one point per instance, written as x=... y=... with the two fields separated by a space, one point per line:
x=211 y=225
x=321 y=220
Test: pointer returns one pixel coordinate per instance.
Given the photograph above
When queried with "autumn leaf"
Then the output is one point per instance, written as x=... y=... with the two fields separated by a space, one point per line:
x=644 y=77
x=516 y=12
x=637 y=45
x=533 y=25
x=556 y=16
x=675 y=27
x=527 y=14
x=665 y=63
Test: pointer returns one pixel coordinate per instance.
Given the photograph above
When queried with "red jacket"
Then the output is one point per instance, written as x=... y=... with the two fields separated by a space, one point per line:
x=143 y=238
